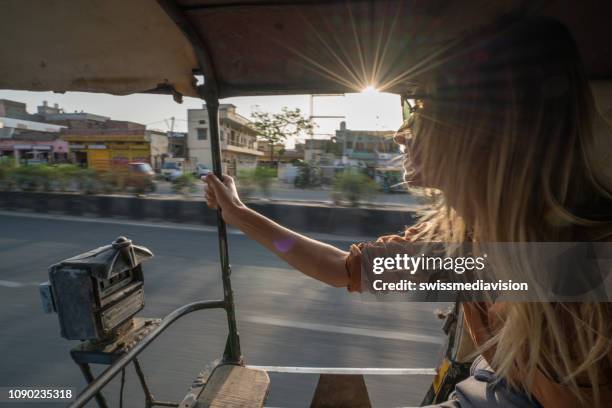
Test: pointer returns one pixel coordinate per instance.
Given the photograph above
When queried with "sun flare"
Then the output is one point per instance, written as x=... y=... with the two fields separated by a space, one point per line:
x=370 y=89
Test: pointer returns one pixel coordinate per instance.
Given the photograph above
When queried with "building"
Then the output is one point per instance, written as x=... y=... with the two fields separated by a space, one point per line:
x=281 y=153
x=321 y=151
x=26 y=139
x=177 y=144
x=366 y=148
x=238 y=142
x=356 y=148
x=72 y=120
x=14 y=109
x=53 y=135
x=101 y=143
x=34 y=147
x=15 y=120
x=116 y=146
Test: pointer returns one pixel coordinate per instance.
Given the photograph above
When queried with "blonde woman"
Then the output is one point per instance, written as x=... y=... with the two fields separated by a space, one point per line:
x=506 y=128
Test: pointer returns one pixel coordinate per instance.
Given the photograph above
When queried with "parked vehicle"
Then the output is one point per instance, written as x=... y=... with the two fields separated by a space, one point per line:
x=171 y=171
x=141 y=168
x=141 y=177
x=201 y=170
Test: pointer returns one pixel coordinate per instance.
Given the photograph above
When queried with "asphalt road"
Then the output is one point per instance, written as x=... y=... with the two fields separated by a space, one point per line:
x=284 y=318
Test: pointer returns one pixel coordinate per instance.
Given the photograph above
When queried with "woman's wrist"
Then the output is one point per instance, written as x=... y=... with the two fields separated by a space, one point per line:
x=235 y=216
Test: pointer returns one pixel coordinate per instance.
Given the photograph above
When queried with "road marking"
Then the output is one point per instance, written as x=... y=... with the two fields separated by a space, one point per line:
x=164 y=225
x=167 y=225
x=346 y=370
x=11 y=284
x=355 y=331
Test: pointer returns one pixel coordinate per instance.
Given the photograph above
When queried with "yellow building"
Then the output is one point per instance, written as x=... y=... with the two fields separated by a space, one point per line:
x=104 y=150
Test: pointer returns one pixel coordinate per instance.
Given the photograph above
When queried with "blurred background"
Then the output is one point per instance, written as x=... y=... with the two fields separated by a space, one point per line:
x=331 y=148
x=79 y=170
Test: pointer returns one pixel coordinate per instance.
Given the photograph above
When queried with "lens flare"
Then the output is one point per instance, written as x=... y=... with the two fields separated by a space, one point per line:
x=370 y=89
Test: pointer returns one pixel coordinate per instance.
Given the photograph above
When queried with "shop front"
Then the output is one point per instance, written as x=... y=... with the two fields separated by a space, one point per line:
x=108 y=152
x=35 y=152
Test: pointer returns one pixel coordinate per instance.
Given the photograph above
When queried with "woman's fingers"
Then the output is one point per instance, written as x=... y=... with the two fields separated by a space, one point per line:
x=214 y=183
x=217 y=193
x=221 y=194
x=228 y=180
x=223 y=191
x=210 y=184
x=212 y=202
x=209 y=195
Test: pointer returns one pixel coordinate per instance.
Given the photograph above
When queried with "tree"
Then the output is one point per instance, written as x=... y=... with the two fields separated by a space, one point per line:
x=274 y=128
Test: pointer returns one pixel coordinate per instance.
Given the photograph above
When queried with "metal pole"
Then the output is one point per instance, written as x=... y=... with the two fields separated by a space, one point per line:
x=86 y=370
x=150 y=401
x=210 y=93
x=143 y=383
x=232 y=353
x=96 y=385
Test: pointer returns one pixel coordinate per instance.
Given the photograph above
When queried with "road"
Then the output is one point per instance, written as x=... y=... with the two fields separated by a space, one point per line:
x=284 y=317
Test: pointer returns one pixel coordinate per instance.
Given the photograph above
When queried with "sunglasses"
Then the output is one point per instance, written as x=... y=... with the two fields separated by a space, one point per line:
x=411 y=105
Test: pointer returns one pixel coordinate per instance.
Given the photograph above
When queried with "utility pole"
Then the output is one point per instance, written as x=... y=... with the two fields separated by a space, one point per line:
x=312 y=116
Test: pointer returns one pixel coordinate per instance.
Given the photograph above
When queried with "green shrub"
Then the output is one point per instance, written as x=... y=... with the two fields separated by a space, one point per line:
x=184 y=184
x=37 y=177
x=308 y=175
x=7 y=164
x=66 y=176
x=112 y=181
x=33 y=177
x=263 y=177
x=353 y=186
x=245 y=183
x=260 y=177
x=87 y=181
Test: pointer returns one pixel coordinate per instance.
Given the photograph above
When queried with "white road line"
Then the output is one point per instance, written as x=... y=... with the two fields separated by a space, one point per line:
x=346 y=370
x=163 y=225
x=356 y=331
x=167 y=225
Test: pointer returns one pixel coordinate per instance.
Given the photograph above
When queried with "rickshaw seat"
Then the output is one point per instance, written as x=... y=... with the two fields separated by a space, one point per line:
x=233 y=386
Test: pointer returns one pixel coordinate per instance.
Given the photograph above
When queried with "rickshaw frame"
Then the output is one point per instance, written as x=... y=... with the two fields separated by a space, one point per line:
x=210 y=92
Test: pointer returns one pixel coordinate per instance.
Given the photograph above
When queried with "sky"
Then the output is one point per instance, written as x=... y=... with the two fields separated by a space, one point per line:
x=368 y=110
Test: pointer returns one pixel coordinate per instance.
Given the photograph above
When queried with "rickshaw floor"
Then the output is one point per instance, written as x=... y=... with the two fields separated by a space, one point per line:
x=233 y=386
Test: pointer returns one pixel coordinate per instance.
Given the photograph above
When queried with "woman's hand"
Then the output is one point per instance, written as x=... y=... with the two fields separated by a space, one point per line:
x=223 y=196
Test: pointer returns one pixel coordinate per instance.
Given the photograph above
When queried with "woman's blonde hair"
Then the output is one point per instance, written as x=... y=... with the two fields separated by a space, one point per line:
x=511 y=136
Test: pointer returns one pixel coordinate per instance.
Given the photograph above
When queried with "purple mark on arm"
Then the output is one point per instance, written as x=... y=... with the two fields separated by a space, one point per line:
x=284 y=244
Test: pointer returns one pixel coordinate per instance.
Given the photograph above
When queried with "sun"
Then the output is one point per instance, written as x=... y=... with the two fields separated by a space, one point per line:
x=370 y=89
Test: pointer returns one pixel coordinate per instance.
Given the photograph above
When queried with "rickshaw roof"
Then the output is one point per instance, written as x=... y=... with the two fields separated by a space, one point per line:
x=254 y=47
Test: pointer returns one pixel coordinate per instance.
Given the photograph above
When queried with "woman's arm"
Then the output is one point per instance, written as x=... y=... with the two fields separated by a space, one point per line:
x=313 y=258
